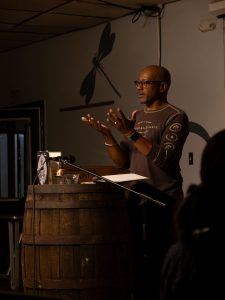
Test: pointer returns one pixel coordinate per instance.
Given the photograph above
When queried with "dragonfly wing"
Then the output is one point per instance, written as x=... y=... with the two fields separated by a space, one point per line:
x=88 y=85
x=106 y=42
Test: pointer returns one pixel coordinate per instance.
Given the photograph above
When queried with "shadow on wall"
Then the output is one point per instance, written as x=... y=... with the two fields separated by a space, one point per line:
x=199 y=130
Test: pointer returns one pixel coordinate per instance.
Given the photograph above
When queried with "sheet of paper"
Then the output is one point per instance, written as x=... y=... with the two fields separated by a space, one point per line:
x=124 y=177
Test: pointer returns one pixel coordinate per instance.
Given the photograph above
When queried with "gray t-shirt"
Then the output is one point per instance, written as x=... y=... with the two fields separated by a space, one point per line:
x=167 y=129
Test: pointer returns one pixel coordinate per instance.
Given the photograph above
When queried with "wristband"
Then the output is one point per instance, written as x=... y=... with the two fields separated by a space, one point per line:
x=111 y=145
x=134 y=136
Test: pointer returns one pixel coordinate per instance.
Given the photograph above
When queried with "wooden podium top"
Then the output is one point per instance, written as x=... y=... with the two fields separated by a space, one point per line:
x=85 y=176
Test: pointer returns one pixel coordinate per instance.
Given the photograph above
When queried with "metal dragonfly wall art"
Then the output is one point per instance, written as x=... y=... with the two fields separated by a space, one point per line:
x=105 y=47
x=88 y=85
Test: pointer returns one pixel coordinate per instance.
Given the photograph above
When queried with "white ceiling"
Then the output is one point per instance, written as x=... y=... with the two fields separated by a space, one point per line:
x=23 y=22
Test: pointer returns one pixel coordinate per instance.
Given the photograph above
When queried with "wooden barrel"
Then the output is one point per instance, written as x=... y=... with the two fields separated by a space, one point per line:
x=76 y=237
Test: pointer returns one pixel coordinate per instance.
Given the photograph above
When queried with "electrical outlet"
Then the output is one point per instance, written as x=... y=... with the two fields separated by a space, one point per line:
x=190 y=158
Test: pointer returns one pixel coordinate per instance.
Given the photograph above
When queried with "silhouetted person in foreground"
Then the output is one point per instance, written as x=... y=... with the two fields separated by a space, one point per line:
x=194 y=267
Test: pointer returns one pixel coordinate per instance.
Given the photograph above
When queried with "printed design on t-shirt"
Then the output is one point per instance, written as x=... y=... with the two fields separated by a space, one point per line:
x=175 y=127
x=143 y=127
x=169 y=146
x=172 y=137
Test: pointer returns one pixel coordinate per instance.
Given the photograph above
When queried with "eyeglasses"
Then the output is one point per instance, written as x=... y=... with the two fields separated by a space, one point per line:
x=145 y=83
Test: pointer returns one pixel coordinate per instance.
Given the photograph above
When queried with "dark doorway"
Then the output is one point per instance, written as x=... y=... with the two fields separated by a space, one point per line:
x=22 y=134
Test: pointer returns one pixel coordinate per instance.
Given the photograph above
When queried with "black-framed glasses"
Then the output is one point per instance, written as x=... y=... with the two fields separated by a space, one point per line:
x=145 y=83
